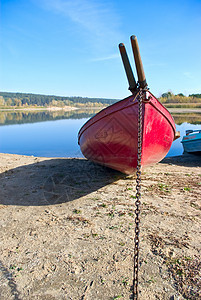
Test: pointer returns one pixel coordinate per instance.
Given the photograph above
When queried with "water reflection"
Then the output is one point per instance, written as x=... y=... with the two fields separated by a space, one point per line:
x=22 y=117
x=192 y=118
x=54 y=133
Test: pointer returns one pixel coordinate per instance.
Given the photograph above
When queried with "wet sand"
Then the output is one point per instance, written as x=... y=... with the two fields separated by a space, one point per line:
x=67 y=228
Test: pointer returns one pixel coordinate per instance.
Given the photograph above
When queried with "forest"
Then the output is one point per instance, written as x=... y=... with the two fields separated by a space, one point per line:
x=20 y=100
x=8 y=99
x=169 y=97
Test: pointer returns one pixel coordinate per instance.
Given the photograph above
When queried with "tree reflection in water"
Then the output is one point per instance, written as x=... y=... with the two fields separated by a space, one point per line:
x=22 y=117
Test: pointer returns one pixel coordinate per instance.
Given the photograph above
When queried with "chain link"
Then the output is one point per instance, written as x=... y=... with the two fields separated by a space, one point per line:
x=138 y=197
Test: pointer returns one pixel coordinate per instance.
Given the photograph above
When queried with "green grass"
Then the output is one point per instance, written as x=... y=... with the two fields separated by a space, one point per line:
x=122 y=244
x=151 y=280
x=77 y=211
x=13 y=267
x=187 y=189
x=164 y=188
x=113 y=227
x=125 y=281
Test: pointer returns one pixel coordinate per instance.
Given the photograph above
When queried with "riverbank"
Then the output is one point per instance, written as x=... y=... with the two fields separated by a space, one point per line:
x=183 y=110
x=71 y=108
x=67 y=229
x=50 y=108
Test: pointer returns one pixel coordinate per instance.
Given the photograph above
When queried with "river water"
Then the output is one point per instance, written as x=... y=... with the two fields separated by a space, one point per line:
x=54 y=134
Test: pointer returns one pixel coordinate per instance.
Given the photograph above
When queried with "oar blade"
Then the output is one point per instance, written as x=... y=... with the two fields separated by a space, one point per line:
x=138 y=62
x=127 y=67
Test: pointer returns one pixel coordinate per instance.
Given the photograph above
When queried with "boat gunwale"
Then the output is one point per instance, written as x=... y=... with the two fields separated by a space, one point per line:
x=82 y=129
x=133 y=102
x=191 y=140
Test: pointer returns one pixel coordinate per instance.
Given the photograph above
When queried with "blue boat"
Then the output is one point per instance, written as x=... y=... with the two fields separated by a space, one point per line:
x=192 y=141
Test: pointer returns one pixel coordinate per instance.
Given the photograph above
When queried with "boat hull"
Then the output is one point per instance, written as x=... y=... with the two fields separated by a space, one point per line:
x=110 y=138
x=192 y=143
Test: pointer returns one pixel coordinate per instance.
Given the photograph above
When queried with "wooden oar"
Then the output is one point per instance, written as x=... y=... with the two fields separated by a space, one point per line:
x=127 y=67
x=138 y=62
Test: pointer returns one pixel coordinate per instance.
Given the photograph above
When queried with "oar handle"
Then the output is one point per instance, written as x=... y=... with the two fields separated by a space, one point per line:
x=138 y=62
x=127 y=67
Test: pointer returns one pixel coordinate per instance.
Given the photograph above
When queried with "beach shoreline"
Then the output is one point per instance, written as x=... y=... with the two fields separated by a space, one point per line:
x=71 y=108
x=50 y=108
x=67 y=228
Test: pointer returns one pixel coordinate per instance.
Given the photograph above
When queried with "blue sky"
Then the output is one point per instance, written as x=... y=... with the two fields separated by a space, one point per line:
x=70 y=48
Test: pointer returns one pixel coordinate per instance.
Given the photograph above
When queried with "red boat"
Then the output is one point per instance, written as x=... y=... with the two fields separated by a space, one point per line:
x=110 y=138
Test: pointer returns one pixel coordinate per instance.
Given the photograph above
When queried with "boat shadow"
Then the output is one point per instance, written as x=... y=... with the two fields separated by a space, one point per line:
x=8 y=276
x=54 y=181
x=185 y=160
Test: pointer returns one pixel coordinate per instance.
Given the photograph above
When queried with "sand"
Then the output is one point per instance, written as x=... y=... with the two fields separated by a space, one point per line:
x=67 y=228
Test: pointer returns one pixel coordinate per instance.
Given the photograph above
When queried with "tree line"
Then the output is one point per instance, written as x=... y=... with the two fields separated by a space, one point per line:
x=169 y=97
x=24 y=99
x=8 y=99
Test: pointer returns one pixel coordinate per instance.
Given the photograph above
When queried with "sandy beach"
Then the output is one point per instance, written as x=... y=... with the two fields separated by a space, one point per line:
x=67 y=228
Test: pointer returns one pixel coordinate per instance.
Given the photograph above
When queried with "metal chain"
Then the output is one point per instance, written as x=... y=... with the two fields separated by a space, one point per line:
x=138 y=197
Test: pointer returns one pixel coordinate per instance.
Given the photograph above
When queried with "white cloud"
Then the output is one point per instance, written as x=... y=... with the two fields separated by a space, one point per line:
x=109 y=57
x=93 y=16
